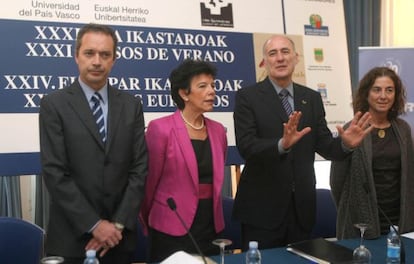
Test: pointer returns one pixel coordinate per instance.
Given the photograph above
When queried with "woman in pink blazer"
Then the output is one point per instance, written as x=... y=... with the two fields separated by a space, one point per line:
x=187 y=154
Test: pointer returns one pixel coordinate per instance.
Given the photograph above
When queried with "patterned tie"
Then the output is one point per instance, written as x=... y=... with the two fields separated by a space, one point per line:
x=98 y=114
x=284 y=94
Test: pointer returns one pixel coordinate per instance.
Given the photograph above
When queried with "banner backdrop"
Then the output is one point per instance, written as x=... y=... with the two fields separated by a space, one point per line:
x=37 y=52
x=401 y=61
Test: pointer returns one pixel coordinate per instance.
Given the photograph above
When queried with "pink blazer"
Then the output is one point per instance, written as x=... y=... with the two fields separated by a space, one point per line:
x=173 y=172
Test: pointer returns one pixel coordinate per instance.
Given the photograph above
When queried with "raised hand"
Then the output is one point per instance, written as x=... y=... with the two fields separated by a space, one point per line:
x=357 y=130
x=291 y=135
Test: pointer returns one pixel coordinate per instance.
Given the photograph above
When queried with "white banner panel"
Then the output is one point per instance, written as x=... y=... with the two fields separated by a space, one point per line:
x=322 y=24
x=240 y=16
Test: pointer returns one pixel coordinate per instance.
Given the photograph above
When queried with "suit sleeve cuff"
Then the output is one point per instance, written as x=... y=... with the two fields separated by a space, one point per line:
x=345 y=148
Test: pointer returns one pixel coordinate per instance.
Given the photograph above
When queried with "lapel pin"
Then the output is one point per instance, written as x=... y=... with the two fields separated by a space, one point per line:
x=304 y=102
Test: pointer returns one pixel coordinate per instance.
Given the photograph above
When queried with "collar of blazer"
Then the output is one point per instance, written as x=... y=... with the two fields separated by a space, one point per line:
x=186 y=147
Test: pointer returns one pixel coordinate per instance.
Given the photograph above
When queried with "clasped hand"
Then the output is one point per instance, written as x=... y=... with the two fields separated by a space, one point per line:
x=105 y=237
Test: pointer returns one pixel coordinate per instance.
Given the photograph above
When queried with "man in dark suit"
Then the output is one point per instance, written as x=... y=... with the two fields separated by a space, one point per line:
x=275 y=200
x=94 y=170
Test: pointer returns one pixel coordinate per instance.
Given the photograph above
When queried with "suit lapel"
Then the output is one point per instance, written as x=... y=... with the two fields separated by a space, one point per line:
x=80 y=105
x=186 y=147
x=302 y=103
x=271 y=98
x=216 y=155
x=300 y=99
x=115 y=107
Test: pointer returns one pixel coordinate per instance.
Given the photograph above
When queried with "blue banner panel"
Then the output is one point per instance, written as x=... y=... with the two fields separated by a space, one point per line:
x=401 y=60
x=15 y=164
x=39 y=58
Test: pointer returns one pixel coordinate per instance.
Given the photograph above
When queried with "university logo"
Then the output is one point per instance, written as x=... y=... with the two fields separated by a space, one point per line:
x=318 y=54
x=216 y=13
x=315 y=27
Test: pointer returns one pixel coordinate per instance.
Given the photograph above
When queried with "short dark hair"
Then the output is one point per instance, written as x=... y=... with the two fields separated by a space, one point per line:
x=180 y=77
x=92 y=27
x=361 y=98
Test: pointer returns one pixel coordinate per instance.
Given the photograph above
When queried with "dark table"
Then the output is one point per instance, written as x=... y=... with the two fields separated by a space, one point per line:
x=377 y=247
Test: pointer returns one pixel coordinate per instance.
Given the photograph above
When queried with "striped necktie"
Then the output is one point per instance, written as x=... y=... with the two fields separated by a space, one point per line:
x=284 y=95
x=98 y=114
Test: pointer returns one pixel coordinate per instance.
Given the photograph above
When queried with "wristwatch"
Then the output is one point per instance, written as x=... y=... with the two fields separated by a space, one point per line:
x=119 y=226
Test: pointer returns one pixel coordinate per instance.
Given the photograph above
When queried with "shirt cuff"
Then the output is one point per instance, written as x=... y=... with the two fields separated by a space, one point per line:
x=281 y=149
x=94 y=226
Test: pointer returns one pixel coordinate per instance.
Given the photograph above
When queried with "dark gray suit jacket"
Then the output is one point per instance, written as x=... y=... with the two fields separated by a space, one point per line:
x=88 y=180
x=268 y=178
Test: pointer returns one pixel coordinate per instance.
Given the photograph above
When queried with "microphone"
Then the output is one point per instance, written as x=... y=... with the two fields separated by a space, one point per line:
x=402 y=248
x=173 y=207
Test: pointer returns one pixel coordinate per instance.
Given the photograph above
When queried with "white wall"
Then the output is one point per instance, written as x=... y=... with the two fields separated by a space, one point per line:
x=322 y=169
